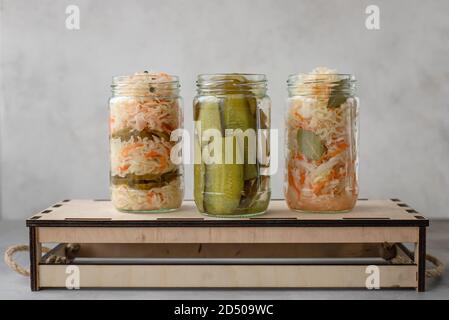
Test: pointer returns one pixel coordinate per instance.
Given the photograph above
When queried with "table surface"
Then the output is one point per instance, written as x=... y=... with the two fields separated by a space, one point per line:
x=15 y=286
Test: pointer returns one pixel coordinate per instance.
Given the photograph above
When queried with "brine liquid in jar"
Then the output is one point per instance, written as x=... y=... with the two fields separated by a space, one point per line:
x=144 y=110
x=321 y=142
x=232 y=122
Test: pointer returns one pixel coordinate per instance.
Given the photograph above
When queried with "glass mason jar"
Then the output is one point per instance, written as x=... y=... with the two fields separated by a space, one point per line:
x=144 y=110
x=232 y=122
x=322 y=137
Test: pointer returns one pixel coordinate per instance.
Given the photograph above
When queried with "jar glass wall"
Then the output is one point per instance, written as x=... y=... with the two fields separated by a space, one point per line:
x=321 y=142
x=232 y=122
x=144 y=110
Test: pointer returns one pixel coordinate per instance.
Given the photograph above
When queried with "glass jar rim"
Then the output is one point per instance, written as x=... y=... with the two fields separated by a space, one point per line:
x=321 y=84
x=146 y=84
x=116 y=80
x=223 y=83
x=319 y=77
x=250 y=77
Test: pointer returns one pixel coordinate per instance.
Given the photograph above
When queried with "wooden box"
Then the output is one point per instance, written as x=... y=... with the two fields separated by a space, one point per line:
x=182 y=249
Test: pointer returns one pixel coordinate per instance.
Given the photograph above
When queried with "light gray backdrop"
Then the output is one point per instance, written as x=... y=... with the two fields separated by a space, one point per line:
x=55 y=84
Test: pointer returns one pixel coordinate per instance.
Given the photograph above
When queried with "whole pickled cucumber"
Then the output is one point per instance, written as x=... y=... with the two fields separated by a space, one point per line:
x=237 y=115
x=223 y=183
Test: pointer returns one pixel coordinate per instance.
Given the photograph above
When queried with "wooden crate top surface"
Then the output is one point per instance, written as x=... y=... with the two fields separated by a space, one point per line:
x=90 y=213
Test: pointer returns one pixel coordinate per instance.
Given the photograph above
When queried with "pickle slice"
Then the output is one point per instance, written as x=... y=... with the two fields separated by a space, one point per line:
x=127 y=133
x=223 y=182
x=199 y=171
x=223 y=185
x=237 y=115
x=242 y=115
x=145 y=182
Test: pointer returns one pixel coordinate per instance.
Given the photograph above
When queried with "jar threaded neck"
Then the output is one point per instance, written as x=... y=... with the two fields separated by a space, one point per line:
x=228 y=83
x=320 y=84
x=146 y=84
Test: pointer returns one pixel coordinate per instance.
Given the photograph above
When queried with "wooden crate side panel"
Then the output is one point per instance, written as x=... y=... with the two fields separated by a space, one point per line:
x=228 y=235
x=232 y=276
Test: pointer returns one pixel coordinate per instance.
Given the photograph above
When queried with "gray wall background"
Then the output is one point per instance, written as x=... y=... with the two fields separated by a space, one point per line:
x=55 y=84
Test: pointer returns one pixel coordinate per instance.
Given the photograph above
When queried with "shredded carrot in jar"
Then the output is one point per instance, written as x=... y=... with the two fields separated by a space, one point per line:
x=320 y=126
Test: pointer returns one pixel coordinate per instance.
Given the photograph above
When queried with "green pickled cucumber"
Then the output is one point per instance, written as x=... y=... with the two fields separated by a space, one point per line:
x=198 y=188
x=127 y=133
x=223 y=183
x=199 y=171
x=237 y=115
x=199 y=168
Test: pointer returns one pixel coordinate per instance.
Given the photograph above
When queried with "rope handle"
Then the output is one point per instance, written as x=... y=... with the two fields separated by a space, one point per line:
x=438 y=268
x=434 y=272
x=9 y=260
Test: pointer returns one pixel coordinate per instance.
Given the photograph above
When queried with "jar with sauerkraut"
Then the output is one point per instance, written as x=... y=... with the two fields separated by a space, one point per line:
x=145 y=108
x=232 y=122
x=321 y=148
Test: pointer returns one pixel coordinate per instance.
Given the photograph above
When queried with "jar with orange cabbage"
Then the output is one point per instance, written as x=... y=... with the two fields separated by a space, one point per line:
x=145 y=109
x=322 y=138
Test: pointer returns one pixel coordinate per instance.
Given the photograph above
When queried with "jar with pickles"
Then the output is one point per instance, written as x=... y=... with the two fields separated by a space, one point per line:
x=144 y=110
x=321 y=147
x=232 y=122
